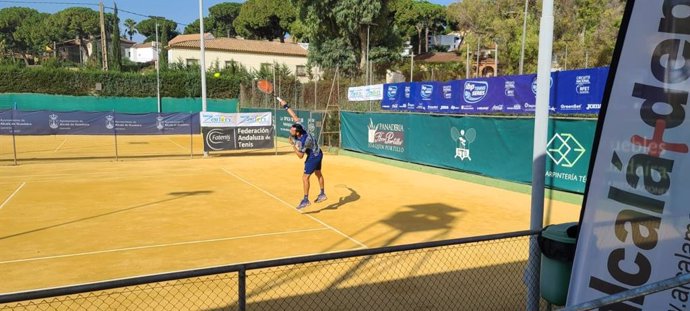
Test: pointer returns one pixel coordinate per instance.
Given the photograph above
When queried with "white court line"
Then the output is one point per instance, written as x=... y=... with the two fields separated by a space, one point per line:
x=12 y=195
x=158 y=246
x=292 y=208
x=60 y=146
x=208 y=267
x=172 y=141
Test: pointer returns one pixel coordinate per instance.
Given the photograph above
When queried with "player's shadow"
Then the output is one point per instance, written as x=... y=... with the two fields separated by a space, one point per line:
x=175 y=196
x=352 y=197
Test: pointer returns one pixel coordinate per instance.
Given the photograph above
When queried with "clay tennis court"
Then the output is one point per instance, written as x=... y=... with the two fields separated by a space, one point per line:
x=71 y=222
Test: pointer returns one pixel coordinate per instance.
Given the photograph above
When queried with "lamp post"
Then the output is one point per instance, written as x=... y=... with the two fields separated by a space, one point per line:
x=203 y=56
x=158 y=70
x=478 y=42
x=367 y=64
x=524 y=31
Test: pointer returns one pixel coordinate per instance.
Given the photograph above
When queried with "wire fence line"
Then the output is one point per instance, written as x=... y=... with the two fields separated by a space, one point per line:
x=478 y=273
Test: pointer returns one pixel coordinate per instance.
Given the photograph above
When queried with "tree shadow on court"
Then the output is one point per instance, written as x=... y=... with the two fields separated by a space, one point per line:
x=439 y=285
x=352 y=197
x=175 y=196
x=416 y=218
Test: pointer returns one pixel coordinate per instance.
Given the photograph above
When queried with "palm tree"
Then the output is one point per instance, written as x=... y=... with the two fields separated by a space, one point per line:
x=130 y=24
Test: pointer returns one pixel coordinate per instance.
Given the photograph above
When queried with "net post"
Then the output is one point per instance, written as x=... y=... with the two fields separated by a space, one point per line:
x=14 y=142
x=191 y=135
x=117 y=156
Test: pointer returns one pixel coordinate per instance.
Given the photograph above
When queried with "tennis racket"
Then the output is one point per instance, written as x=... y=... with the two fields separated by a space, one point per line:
x=266 y=87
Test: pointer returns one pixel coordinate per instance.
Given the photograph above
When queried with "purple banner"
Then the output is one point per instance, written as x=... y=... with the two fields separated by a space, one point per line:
x=96 y=123
x=575 y=91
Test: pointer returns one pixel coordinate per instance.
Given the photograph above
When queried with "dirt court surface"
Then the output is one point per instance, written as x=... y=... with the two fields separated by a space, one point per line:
x=80 y=221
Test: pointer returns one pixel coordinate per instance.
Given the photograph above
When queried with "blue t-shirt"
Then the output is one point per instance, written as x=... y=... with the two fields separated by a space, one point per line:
x=308 y=145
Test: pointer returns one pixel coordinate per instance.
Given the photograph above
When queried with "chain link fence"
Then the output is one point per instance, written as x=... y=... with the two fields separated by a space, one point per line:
x=481 y=273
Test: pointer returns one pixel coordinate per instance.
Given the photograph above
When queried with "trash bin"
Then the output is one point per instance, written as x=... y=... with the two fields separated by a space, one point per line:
x=557 y=244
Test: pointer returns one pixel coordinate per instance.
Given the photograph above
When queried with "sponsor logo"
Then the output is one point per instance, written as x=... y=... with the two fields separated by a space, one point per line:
x=514 y=107
x=582 y=84
x=407 y=92
x=571 y=107
x=159 y=122
x=386 y=136
x=497 y=108
x=509 y=88
x=463 y=138
x=392 y=91
x=53 y=121
x=466 y=107
x=426 y=91
x=534 y=84
x=215 y=139
x=565 y=150
x=593 y=106
x=109 y=122
x=475 y=91
x=448 y=91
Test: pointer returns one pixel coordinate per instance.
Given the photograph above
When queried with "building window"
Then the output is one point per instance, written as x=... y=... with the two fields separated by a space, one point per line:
x=301 y=71
x=192 y=62
x=231 y=64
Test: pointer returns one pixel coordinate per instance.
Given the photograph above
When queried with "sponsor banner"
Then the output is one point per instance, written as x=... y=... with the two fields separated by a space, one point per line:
x=312 y=120
x=423 y=96
x=218 y=119
x=96 y=123
x=635 y=227
x=396 y=96
x=447 y=96
x=496 y=147
x=237 y=138
x=580 y=91
x=572 y=92
x=365 y=93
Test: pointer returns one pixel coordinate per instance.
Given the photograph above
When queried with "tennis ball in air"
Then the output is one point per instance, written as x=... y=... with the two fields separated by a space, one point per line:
x=216 y=75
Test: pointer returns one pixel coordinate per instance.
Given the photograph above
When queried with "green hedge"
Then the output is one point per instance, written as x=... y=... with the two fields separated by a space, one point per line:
x=63 y=81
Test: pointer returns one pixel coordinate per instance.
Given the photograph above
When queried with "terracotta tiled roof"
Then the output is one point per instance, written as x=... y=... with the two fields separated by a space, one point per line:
x=246 y=46
x=441 y=57
x=143 y=45
x=190 y=37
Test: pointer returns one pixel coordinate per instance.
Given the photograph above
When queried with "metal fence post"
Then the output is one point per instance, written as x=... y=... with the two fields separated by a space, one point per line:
x=117 y=156
x=191 y=134
x=242 y=288
x=14 y=141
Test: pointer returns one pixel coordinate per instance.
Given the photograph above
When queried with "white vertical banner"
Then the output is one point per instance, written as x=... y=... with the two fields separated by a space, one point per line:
x=365 y=93
x=635 y=227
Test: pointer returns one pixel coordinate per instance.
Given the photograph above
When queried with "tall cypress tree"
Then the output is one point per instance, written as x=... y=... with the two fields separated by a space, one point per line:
x=116 y=54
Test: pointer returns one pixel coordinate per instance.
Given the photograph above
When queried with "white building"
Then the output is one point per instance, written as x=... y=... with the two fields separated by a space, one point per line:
x=450 y=41
x=142 y=52
x=253 y=54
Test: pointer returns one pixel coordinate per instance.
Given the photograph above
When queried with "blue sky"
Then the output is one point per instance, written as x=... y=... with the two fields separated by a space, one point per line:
x=181 y=11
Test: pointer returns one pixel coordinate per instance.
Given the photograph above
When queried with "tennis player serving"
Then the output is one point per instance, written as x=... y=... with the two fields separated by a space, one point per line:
x=304 y=143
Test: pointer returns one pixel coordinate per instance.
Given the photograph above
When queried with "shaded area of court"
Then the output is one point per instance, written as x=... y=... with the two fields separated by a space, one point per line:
x=71 y=222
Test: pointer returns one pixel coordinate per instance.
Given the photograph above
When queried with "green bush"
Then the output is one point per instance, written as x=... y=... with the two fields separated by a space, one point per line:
x=66 y=81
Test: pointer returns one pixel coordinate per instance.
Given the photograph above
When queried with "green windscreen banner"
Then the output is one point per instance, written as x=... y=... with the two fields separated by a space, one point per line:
x=493 y=147
x=34 y=102
x=312 y=119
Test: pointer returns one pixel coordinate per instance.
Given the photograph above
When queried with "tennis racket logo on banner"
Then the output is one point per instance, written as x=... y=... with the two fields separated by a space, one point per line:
x=635 y=227
x=463 y=138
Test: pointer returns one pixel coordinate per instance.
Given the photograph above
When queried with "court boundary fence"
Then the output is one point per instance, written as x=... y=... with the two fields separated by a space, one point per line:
x=487 y=276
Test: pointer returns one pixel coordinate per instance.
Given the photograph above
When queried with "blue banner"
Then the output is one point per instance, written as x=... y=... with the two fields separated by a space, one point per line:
x=580 y=91
x=96 y=123
x=572 y=92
